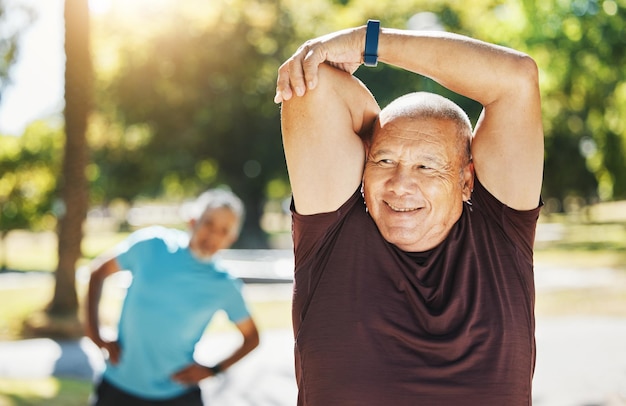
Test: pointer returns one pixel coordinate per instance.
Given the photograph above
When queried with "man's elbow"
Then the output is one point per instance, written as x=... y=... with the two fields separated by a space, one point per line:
x=527 y=71
x=251 y=338
x=253 y=341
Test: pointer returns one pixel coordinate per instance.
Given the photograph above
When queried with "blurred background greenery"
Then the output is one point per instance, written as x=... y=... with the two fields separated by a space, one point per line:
x=177 y=98
x=182 y=99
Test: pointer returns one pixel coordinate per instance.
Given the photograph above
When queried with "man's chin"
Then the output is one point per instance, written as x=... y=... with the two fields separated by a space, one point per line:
x=202 y=256
x=409 y=243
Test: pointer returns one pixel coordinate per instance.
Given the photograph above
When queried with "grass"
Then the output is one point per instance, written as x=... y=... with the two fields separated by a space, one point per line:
x=588 y=248
x=608 y=302
x=16 y=305
x=580 y=245
x=44 y=391
x=18 y=249
x=570 y=245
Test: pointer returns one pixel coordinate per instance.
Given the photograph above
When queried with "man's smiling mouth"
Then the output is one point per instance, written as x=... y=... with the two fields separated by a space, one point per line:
x=401 y=209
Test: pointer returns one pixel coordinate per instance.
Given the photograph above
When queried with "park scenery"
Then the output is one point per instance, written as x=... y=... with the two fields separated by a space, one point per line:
x=152 y=102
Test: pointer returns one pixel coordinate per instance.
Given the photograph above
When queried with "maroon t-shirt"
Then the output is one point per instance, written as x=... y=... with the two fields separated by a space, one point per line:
x=375 y=325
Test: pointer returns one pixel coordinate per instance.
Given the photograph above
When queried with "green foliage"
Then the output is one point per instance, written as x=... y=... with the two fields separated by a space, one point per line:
x=29 y=166
x=185 y=103
x=14 y=19
x=581 y=49
x=190 y=105
x=197 y=103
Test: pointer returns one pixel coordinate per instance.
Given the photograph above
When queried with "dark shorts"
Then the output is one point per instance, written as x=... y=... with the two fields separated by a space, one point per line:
x=109 y=395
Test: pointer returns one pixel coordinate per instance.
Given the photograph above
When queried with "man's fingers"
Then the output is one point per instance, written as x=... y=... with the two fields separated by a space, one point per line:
x=294 y=76
x=113 y=352
x=191 y=374
x=283 y=89
x=310 y=65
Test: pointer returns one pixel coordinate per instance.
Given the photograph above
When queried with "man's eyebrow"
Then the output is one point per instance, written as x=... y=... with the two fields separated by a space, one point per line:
x=428 y=158
x=431 y=159
x=379 y=152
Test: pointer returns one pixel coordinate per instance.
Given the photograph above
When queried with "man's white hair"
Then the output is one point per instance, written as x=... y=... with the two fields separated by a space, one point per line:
x=213 y=199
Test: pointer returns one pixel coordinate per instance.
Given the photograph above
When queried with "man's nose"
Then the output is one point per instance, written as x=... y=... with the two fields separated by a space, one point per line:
x=403 y=181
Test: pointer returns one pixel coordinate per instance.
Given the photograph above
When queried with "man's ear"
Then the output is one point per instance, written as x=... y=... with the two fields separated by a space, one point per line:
x=192 y=223
x=468 y=181
x=366 y=148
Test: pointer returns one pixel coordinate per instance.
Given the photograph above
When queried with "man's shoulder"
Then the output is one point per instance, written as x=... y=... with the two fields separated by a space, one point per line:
x=315 y=226
x=489 y=215
x=155 y=237
x=157 y=233
x=483 y=200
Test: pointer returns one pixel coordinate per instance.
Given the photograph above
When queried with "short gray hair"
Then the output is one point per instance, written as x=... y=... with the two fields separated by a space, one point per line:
x=214 y=199
x=424 y=105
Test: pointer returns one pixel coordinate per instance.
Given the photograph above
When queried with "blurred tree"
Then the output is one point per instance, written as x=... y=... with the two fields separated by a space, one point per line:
x=74 y=186
x=29 y=166
x=581 y=49
x=186 y=103
x=61 y=317
x=14 y=20
x=195 y=103
x=194 y=98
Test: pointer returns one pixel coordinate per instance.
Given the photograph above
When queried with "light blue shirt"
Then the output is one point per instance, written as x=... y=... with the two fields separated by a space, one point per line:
x=171 y=300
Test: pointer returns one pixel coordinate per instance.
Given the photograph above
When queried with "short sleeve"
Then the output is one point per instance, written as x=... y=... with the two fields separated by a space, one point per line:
x=234 y=304
x=136 y=246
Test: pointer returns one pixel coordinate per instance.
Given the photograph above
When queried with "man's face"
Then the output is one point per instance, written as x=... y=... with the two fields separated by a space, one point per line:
x=217 y=229
x=413 y=182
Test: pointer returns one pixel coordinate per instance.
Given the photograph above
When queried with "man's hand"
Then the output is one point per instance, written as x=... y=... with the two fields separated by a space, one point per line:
x=342 y=49
x=192 y=374
x=112 y=348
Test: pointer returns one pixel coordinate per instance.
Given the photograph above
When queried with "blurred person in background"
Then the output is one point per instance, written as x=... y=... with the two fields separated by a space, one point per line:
x=176 y=289
x=413 y=234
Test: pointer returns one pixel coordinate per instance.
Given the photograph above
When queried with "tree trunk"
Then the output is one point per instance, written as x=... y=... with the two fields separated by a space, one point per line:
x=61 y=318
x=74 y=186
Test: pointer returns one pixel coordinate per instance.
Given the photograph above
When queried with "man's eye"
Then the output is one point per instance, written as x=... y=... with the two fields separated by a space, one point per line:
x=386 y=162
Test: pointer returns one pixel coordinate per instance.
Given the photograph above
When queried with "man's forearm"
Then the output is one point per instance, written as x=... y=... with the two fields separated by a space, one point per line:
x=476 y=69
x=102 y=269
x=246 y=347
x=92 y=329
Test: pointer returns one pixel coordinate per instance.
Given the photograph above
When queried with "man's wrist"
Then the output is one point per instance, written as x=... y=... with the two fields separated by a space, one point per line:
x=215 y=369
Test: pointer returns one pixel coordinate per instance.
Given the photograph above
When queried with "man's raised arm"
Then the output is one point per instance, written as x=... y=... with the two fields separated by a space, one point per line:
x=321 y=136
x=508 y=143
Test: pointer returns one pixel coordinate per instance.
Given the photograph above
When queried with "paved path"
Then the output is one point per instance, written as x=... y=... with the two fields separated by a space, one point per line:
x=580 y=362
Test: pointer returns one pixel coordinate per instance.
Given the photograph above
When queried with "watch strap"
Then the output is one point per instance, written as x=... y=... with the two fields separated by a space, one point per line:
x=370 y=57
